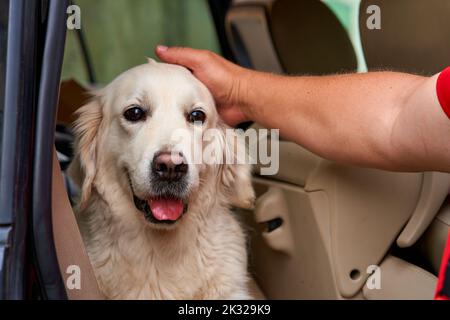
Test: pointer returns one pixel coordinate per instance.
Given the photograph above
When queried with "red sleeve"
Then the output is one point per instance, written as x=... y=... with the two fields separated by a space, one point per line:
x=443 y=90
x=443 y=288
x=443 y=94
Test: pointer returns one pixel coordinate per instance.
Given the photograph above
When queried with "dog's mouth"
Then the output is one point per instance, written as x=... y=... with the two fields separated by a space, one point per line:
x=161 y=209
x=165 y=208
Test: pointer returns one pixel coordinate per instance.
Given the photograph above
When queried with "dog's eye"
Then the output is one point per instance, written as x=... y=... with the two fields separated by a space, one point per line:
x=134 y=114
x=197 y=116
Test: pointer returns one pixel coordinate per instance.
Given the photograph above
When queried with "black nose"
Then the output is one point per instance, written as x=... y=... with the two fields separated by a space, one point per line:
x=169 y=166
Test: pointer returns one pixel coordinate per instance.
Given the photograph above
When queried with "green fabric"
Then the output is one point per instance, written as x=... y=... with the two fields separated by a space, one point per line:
x=121 y=33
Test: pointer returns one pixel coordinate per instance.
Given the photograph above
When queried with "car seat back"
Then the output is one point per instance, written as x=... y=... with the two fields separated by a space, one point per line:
x=76 y=269
x=289 y=36
x=414 y=35
x=323 y=223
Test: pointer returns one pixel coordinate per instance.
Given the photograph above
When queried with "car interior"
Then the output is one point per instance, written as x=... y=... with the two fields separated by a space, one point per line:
x=318 y=227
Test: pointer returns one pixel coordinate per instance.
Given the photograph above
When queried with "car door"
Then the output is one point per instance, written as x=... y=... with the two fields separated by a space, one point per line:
x=30 y=74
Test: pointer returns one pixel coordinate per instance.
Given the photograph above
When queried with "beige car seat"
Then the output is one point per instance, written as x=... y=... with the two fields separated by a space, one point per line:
x=319 y=228
x=275 y=36
x=422 y=47
x=414 y=35
x=72 y=256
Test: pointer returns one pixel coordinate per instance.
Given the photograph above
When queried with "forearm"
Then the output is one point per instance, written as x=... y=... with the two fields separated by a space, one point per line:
x=384 y=119
x=362 y=119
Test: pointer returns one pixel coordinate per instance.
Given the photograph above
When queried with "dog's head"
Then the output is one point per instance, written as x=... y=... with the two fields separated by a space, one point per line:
x=140 y=137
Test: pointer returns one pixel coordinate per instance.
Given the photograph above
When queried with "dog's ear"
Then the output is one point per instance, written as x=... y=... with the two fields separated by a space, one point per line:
x=236 y=173
x=86 y=129
x=151 y=61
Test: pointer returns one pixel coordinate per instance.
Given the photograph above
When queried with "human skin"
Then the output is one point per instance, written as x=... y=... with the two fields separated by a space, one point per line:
x=384 y=120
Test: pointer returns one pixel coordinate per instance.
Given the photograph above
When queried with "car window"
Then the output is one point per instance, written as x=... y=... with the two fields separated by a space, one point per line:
x=4 y=5
x=120 y=34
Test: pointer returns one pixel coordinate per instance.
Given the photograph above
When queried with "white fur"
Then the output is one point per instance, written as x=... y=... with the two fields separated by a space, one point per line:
x=203 y=256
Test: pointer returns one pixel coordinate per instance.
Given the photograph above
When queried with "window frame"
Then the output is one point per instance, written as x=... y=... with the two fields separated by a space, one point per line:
x=35 y=45
x=15 y=184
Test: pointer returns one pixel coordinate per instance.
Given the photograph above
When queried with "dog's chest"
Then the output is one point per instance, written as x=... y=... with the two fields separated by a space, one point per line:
x=150 y=279
x=133 y=269
x=140 y=272
x=206 y=261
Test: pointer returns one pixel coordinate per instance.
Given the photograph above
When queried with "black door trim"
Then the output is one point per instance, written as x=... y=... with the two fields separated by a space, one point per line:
x=47 y=268
x=17 y=151
x=219 y=9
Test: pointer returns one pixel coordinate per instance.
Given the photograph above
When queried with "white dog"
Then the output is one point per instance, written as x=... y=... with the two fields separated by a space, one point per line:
x=156 y=224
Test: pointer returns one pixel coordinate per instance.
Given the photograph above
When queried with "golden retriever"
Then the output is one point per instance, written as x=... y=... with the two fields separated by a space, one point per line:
x=156 y=224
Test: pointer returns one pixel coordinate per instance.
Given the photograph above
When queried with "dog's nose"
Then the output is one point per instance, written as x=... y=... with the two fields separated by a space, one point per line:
x=169 y=166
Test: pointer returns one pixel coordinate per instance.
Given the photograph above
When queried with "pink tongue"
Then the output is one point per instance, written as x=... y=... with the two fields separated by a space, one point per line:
x=166 y=209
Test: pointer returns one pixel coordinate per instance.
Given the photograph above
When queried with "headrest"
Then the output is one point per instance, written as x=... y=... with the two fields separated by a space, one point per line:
x=309 y=38
x=414 y=35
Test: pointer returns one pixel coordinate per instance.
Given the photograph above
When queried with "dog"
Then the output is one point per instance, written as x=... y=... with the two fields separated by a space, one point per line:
x=155 y=223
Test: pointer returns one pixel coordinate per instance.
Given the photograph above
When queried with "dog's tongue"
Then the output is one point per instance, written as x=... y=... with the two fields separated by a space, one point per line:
x=166 y=209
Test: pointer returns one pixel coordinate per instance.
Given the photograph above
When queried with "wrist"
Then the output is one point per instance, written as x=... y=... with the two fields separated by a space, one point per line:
x=246 y=93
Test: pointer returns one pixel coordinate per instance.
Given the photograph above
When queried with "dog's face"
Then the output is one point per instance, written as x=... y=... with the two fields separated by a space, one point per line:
x=145 y=129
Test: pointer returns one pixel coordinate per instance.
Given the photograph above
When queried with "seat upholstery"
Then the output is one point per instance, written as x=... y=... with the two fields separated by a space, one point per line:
x=289 y=36
x=310 y=39
x=342 y=219
x=68 y=242
x=400 y=280
x=432 y=243
x=414 y=36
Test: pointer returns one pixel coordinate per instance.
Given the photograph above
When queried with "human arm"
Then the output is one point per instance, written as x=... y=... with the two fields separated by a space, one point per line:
x=383 y=120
